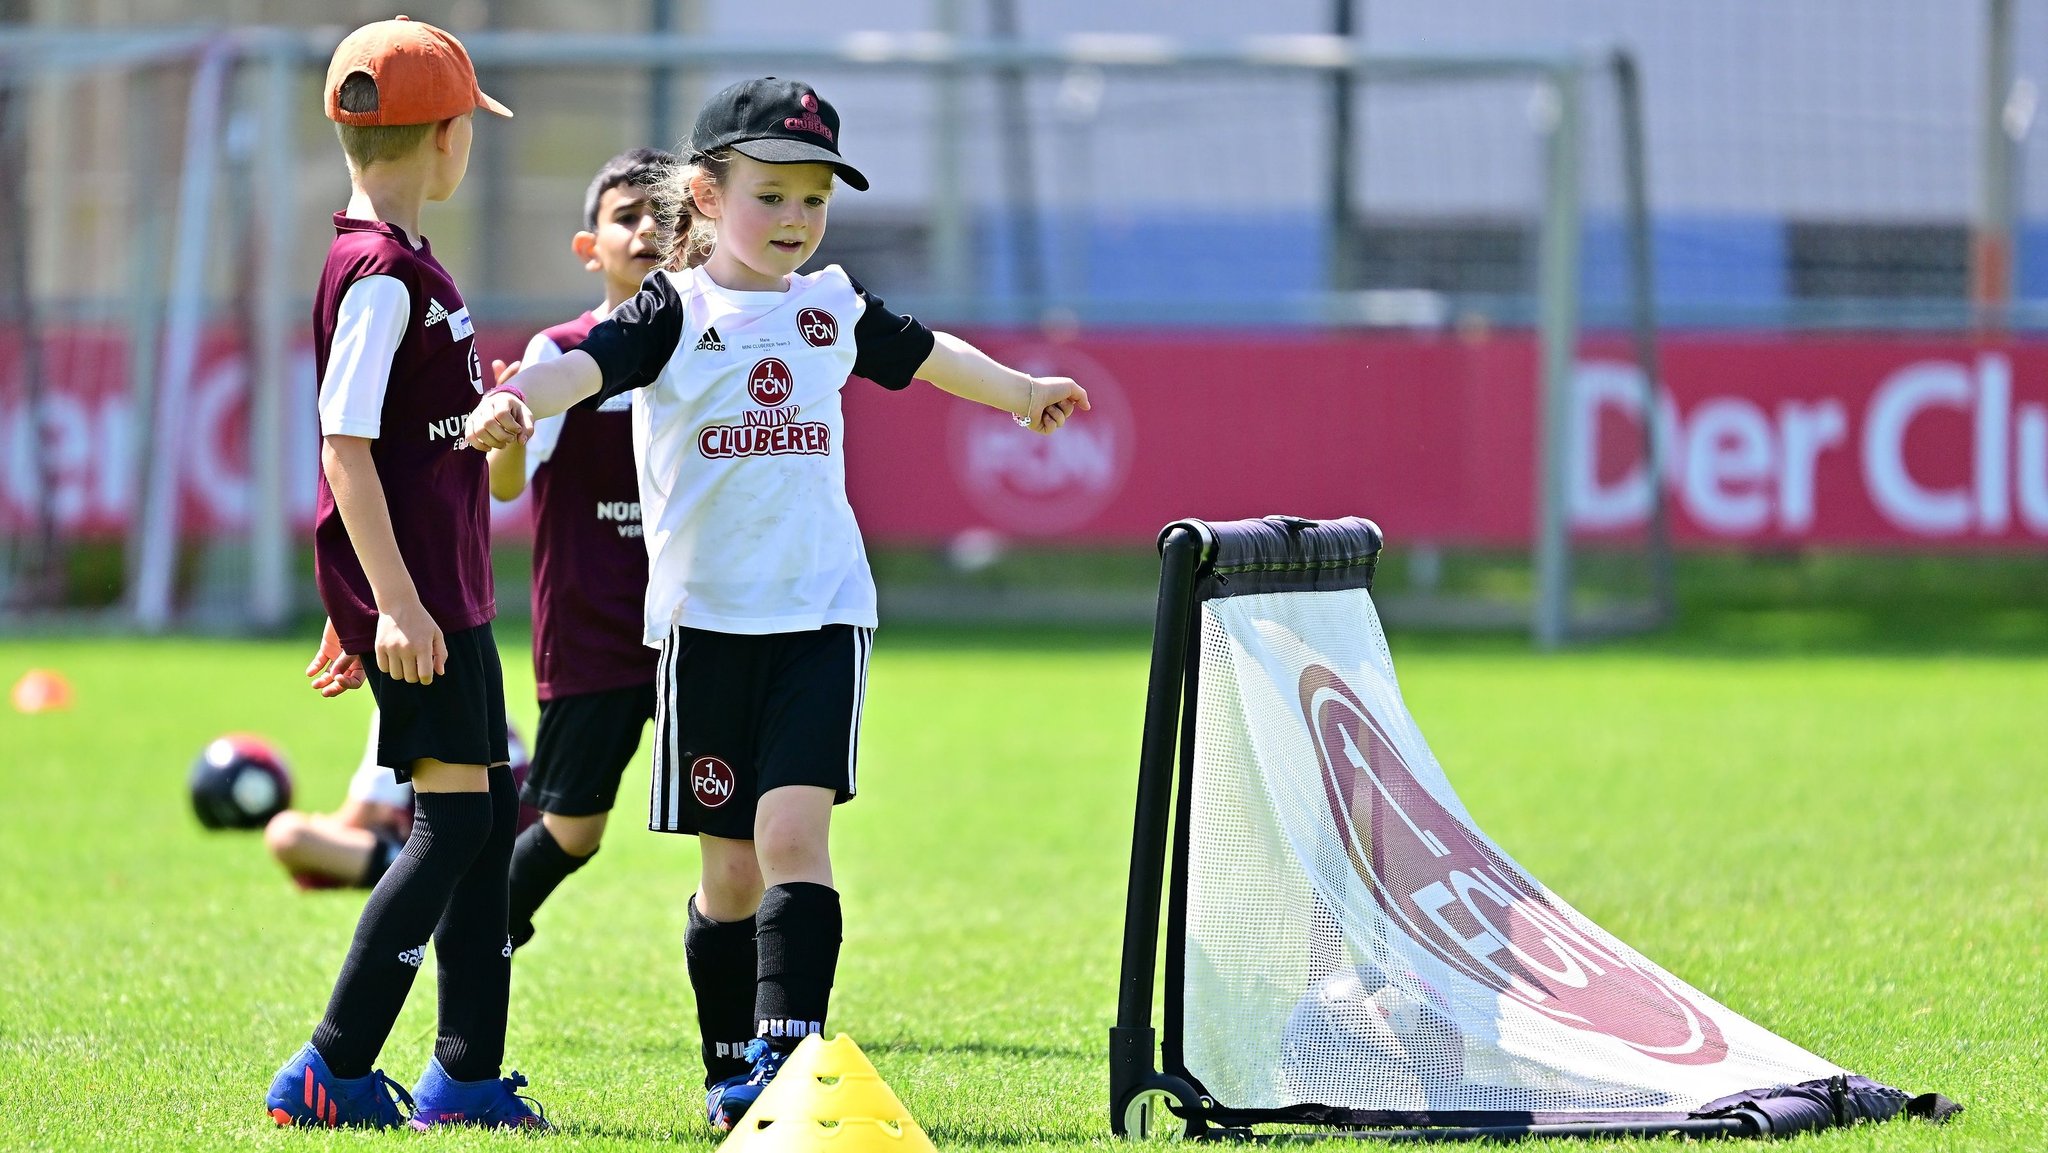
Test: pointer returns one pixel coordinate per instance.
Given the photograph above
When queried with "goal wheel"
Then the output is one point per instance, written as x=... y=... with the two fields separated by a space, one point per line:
x=1163 y=1109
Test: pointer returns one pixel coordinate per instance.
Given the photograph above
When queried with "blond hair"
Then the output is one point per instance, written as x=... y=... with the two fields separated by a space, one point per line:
x=366 y=144
x=688 y=236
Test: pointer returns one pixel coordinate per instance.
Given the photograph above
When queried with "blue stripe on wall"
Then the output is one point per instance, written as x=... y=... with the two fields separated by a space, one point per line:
x=1702 y=263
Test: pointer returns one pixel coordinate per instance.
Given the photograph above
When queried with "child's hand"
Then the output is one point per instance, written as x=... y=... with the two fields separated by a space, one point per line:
x=1053 y=400
x=410 y=646
x=502 y=372
x=334 y=672
x=500 y=420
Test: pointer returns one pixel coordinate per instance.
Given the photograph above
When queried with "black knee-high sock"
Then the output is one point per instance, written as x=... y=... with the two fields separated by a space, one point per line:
x=448 y=832
x=539 y=863
x=723 y=970
x=798 y=941
x=475 y=973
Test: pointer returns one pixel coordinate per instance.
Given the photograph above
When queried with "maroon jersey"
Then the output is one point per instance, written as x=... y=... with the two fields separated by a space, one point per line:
x=437 y=490
x=589 y=560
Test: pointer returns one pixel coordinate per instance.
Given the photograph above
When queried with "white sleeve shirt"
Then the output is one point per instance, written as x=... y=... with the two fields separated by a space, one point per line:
x=368 y=327
x=373 y=782
x=547 y=431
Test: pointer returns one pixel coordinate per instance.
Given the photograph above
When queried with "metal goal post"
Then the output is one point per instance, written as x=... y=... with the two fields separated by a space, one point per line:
x=269 y=64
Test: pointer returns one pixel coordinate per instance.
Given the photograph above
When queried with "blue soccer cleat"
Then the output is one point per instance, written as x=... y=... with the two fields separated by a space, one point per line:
x=493 y=1103
x=729 y=1100
x=306 y=1092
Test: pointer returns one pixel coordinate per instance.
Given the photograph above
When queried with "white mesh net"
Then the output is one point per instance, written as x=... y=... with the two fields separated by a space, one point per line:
x=1355 y=942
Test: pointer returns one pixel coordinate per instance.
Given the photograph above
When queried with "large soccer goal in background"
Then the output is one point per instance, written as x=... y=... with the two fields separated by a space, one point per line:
x=148 y=312
x=1344 y=946
x=155 y=392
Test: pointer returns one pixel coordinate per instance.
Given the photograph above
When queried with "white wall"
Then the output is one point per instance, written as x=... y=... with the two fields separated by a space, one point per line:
x=1830 y=108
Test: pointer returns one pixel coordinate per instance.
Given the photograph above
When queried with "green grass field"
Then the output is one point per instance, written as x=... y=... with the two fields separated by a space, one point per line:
x=1846 y=848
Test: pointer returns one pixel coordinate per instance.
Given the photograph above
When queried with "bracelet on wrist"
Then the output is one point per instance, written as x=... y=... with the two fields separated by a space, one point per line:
x=507 y=387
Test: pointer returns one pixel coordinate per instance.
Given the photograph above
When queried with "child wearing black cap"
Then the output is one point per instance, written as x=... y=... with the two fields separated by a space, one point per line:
x=759 y=594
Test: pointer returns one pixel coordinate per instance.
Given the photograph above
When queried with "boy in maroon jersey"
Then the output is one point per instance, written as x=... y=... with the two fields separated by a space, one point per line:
x=402 y=557
x=594 y=677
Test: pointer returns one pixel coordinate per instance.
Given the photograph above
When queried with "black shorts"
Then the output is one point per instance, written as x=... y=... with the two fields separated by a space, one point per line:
x=382 y=855
x=736 y=716
x=585 y=742
x=459 y=719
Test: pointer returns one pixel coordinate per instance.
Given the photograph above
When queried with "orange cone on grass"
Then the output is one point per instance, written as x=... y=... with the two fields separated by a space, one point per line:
x=41 y=691
x=827 y=1098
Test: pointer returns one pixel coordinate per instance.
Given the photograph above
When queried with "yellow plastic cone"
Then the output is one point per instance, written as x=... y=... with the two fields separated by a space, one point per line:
x=827 y=1099
x=41 y=691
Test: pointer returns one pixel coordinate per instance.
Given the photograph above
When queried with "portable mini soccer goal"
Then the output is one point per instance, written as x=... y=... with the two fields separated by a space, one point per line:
x=1344 y=947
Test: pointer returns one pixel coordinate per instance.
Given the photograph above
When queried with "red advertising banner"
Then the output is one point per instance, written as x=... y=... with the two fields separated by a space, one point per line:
x=1772 y=440
x=93 y=440
x=1432 y=436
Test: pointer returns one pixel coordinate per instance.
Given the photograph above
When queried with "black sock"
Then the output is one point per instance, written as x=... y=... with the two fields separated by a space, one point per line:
x=798 y=940
x=539 y=863
x=722 y=973
x=448 y=832
x=475 y=975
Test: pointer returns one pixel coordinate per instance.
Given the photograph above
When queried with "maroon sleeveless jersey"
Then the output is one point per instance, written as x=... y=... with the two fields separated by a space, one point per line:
x=437 y=489
x=589 y=561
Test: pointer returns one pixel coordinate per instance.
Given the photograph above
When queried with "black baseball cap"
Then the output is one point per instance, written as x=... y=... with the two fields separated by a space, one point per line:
x=776 y=122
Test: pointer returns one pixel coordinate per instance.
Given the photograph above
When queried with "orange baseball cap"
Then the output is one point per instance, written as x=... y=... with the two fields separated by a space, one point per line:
x=422 y=74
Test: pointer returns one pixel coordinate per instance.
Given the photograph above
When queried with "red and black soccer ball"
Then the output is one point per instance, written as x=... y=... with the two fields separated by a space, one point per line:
x=239 y=782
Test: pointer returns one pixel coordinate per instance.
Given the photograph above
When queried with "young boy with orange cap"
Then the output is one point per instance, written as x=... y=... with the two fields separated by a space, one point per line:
x=402 y=559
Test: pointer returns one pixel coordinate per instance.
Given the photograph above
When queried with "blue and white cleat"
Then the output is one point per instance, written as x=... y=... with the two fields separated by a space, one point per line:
x=729 y=1100
x=306 y=1092
x=493 y=1103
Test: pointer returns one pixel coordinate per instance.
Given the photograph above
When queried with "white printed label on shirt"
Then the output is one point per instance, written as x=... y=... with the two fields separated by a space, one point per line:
x=459 y=326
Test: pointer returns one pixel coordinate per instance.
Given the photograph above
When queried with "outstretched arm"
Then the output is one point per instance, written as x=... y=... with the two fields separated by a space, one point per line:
x=1040 y=403
x=503 y=419
x=626 y=350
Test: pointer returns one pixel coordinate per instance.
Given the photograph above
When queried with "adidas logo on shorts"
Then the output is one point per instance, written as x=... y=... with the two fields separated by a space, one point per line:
x=709 y=342
x=435 y=312
x=415 y=956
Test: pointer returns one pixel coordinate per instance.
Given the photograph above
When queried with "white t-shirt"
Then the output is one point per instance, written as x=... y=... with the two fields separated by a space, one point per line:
x=375 y=783
x=369 y=325
x=739 y=437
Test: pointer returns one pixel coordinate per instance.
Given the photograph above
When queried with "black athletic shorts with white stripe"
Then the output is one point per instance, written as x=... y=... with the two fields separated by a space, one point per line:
x=736 y=716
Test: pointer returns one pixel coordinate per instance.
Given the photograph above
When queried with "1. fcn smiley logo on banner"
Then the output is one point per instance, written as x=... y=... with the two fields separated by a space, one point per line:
x=1461 y=901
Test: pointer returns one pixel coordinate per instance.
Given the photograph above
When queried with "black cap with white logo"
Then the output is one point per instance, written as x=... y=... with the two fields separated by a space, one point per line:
x=776 y=122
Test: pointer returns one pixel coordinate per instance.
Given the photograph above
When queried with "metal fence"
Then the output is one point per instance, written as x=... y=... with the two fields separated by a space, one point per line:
x=1564 y=222
x=1822 y=164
